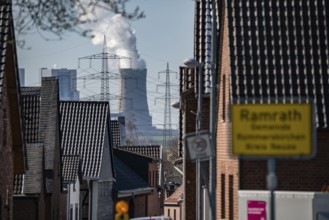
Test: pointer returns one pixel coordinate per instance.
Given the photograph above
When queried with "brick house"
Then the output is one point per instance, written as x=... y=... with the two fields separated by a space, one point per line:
x=188 y=105
x=38 y=193
x=12 y=148
x=271 y=50
x=131 y=187
x=148 y=201
x=266 y=50
x=85 y=129
x=71 y=176
x=173 y=205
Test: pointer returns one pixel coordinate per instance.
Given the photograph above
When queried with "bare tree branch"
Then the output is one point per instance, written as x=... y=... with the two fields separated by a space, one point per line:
x=60 y=16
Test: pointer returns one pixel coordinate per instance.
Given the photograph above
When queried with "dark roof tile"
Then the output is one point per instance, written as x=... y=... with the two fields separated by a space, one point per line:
x=31 y=181
x=18 y=184
x=153 y=151
x=70 y=168
x=4 y=31
x=83 y=127
x=31 y=112
x=33 y=176
x=279 y=61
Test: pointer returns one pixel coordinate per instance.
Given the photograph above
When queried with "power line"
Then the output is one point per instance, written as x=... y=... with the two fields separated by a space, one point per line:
x=104 y=75
x=167 y=130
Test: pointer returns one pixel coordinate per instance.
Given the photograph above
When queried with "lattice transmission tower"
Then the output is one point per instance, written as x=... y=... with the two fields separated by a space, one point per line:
x=105 y=75
x=167 y=126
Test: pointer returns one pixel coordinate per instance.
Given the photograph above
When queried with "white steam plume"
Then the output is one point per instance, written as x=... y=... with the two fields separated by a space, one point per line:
x=121 y=40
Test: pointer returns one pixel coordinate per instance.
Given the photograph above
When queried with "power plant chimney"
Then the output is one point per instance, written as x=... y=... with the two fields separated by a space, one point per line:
x=133 y=103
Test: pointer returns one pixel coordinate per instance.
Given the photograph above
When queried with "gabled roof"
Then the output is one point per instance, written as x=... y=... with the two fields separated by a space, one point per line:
x=153 y=151
x=137 y=162
x=9 y=75
x=118 y=130
x=18 y=184
x=128 y=180
x=31 y=91
x=70 y=168
x=31 y=97
x=4 y=27
x=40 y=114
x=115 y=130
x=33 y=177
x=31 y=181
x=176 y=197
x=83 y=128
x=283 y=58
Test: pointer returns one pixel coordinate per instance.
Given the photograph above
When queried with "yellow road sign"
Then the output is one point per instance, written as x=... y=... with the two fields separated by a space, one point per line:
x=273 y=130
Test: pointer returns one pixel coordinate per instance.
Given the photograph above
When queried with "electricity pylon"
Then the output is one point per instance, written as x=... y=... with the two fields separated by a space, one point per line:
x=104 y=76
x=167 y=129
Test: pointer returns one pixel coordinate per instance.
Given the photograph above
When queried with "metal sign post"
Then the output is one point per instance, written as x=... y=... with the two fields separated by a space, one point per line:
x=271 y=185
x=273 y=131
x=199 y=149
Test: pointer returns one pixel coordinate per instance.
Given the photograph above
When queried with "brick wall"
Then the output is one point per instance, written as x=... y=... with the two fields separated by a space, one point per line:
x=293 y=175
x=232 y=175
x=49 y=135
x=227 y=166
x=153 y=204
x=6 y=158
x=189 y=106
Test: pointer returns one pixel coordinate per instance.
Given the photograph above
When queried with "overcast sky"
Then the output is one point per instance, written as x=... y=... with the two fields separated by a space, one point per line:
x=164 y=36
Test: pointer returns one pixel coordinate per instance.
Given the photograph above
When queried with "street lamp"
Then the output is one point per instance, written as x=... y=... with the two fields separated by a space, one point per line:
x=193 y=63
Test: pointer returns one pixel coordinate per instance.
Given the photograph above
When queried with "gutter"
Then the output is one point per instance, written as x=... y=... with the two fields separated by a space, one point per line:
x=178 y=161
x=133 y=192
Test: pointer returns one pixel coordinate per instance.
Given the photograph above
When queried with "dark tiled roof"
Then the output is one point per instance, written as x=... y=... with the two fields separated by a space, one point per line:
x=83 y=127
x=126 y=178
x=18 y=184
x=31 y=181
x=49 y=120
x=33 y=176
x=31 y=112
x=70 y=168
x=9 y=70
x=31 y=91
x=147 y=150
x=115 y=130
x=4 y=30
x=279 y=52
x=137 y=162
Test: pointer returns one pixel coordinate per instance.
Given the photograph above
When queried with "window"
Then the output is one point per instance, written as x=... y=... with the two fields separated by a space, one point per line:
x=0 y=208
x=231 y=198
x=76 y=212
x=222 y=185
x=150 y=177
x=154 y=178
x=223 y=99
x=71 y=212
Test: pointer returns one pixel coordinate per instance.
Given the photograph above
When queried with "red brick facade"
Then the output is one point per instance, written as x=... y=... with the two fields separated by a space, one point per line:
x=293 y=175
x=189 y=106
x=227 y=166
x=12 y=158
x=234 y=175
x=6 y=158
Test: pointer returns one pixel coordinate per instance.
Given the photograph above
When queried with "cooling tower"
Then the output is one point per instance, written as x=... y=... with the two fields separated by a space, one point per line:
x=133 y=100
